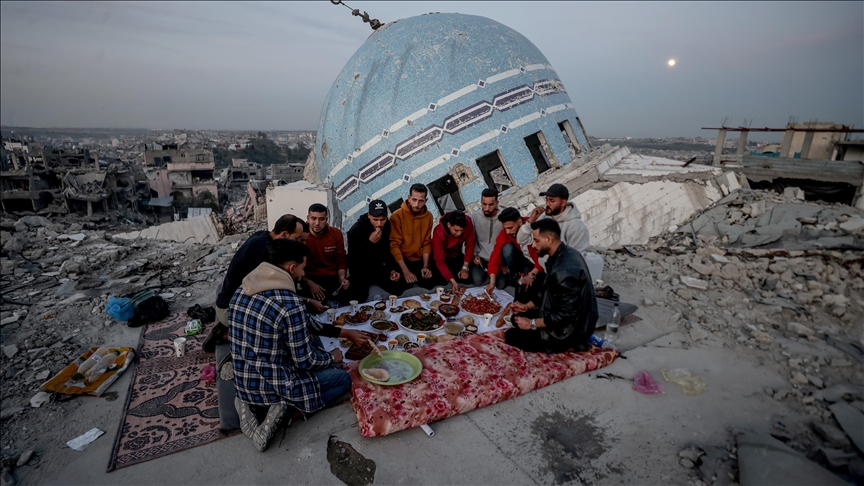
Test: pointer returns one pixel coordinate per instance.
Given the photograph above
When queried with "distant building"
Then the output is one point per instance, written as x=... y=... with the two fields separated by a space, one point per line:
x=286 y=172
x=179 y=172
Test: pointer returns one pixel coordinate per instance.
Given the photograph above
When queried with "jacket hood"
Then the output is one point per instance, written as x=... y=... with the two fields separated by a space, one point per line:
x=570 y=212
x=267 y=277
x=408 y=211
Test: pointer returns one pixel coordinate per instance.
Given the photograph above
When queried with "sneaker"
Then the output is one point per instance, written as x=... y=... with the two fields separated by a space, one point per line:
x=217 y=335
x=248 y=421
x=268 y=428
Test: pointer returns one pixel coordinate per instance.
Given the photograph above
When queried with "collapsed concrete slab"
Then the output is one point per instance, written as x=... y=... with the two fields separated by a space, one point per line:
x=203 y=229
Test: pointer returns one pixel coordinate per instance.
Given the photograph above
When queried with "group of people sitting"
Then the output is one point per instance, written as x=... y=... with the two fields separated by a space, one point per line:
x=277 y=280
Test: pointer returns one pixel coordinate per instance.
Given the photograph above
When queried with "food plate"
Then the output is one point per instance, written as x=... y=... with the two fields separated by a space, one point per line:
x=425 y=321
x=403 y=367
x=479 y=306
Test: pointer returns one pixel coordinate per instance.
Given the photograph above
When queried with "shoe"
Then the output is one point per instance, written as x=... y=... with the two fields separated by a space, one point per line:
x=248 y=421
x=268 y=428
x=217 y=335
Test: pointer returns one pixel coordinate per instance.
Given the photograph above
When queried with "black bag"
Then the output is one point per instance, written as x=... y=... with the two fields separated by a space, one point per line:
x=206 y=314
x=151 y=310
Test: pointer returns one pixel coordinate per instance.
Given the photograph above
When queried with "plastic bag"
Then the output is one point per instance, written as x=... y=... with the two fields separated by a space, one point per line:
x=208 y=373
x=645 y=383
x=692 y=385
x=151 y=310
x=119 y=308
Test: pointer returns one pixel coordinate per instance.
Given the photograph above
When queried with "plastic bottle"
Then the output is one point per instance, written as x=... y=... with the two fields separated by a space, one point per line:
x=96 y=371
x=600 y=343
x=613 y=325
x=91 y=361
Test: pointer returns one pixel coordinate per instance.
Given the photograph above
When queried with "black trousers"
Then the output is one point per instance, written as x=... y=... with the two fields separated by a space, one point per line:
x=330 y=284
x=426 y=283
x=539 y=341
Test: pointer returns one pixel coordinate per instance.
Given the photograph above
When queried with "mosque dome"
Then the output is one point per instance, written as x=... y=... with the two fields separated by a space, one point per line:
x=456 y=102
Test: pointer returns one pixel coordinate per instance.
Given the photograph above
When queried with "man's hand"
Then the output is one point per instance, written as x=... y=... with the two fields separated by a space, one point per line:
x=316 y=306
x=491 y=287
x=454 y=285
x=355 y=337
x=426 y=273
x=394 y=276
x=345 y=283
x=504 y=270
x=536 y=213
x=519 y=307
x=337 y=355
x=523 y=322
x=316 y=290
x=527 y=280
x=410 y=277
x=375 y=237
x=478 y=261
x=463 y=274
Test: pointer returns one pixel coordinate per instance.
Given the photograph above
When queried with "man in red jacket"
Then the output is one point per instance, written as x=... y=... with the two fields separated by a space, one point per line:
x=454 y=231
x=517 y=261
x=327 y=265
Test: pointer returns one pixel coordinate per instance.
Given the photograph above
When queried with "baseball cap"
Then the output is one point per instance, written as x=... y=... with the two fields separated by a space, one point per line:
x=557 y=190
x=377 y=208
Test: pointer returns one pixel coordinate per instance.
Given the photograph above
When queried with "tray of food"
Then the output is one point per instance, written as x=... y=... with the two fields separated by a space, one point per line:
x=359 y=318
x=356 y=351
x=421 y=320
x=480 y=305
x=448 y=310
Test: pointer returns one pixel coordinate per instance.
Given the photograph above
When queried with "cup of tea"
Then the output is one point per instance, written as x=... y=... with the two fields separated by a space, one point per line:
x=391 y=344
x=331 y=313
x=439 y=290
x=393 y=300
x=421 y=339
x=180 y=346
x=354 y=304
x=487 y=318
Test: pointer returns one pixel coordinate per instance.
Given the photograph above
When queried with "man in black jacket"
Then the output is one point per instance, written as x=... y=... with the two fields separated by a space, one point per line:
x=369 y=259
x=566 y=314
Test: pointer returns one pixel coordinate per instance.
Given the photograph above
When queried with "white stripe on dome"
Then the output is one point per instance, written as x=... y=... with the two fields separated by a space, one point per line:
x=429 y=165
x=553 y=109
x=525 y=119
x=389 y=187
x=419 y=113
x=477 y=141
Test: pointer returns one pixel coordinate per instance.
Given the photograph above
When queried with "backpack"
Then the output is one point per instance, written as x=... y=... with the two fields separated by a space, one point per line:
x=151 y=310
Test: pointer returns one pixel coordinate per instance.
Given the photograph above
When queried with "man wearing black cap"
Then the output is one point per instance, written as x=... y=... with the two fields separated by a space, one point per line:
x=370 y=261
x=574 y=233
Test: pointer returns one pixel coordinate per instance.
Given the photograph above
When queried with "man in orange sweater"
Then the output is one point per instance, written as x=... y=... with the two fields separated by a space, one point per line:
x=411 y=238
x=327 y=265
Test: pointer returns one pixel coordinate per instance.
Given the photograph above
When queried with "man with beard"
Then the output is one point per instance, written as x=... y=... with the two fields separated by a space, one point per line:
x=486 y=230
x=369 y=259
x=411 y=238
x=566 y=314
x=510 y=260
x=454 y=232
x=327 y=267
x=574 y=233
x=278 y=362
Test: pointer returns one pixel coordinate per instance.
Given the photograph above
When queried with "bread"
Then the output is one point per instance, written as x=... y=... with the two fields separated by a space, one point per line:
x=500 y=321
x=376 y=374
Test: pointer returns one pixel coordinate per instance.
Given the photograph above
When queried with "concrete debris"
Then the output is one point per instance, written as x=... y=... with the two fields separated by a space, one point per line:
x=830 y=434
x=39 y=399
x=694 y=283
x=25 y=458
x=852 y=422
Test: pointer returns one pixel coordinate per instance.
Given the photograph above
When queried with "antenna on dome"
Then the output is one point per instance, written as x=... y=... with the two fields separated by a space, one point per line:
x=374 y=23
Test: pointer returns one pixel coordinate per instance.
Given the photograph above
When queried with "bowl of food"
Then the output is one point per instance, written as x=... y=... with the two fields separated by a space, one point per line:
x=421 y=320
x=425 y=296
x=398 y=309
x=472 y=328
x=381 y=325
x=435 y=304
x=366 y=308
x=381 y=305
x=453 y=328
x=446 y=298
x=467 y=320
x=401 y=339
x=448 y=310
x=379 y=314
x=431 y=339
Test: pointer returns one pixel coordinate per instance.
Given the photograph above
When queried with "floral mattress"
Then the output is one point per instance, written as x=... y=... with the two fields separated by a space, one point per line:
x=462 y=375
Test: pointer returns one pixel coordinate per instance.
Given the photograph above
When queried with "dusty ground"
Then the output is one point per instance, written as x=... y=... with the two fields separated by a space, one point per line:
x=767 y=368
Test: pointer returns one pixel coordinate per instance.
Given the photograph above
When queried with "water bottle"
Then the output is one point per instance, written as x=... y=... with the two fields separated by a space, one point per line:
x=90 y=362
x=96 y=371
x=613 y=325
x=600 y=343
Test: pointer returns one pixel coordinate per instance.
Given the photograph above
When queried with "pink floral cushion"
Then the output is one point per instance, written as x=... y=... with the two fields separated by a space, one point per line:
x=460 y=376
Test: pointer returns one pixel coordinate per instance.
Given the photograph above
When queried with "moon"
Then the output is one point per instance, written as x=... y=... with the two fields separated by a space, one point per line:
x=671 y=62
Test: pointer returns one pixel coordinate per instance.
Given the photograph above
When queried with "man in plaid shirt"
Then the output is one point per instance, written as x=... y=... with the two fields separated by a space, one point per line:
x=277 y=362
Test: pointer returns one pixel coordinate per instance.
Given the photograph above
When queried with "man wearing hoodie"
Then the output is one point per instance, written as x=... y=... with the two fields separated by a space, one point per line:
x=277 y=361
x=574 y=233
x=369 y=259
x=410 y=238
x=486 y=229
x=328 y=264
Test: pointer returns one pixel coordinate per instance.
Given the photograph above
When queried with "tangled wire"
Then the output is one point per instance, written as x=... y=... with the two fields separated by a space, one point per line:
x=374 y=23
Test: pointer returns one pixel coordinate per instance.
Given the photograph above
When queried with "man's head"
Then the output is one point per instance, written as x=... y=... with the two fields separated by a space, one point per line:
x=511 y=221
x=304 y=235
x=547 y=236
x=377 y=214
x=289 y=255
x=556 y=199
x=489 y=202
x=417 y=198
x=288 y=226
x=317 y=218
x=455 y=222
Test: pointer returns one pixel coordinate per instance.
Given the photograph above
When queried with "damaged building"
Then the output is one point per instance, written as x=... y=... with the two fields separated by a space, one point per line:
x=184 y=174
x=53 y=180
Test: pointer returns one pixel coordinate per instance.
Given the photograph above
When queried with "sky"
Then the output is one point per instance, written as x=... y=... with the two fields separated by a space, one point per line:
x=269 y=65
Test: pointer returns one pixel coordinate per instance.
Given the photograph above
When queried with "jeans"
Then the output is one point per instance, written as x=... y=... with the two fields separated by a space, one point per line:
x=330 y=283
x=516 y=263
x=334 y=383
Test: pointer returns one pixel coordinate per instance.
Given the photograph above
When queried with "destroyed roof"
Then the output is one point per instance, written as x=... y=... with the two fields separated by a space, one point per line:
x=164 y=202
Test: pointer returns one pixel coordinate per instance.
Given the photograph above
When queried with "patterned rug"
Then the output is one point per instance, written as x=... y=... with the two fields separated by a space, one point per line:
x=168 y=408
x=463 y=375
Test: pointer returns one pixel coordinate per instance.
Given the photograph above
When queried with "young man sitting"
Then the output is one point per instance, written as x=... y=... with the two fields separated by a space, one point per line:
x=277 y=361
x=452 y=262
